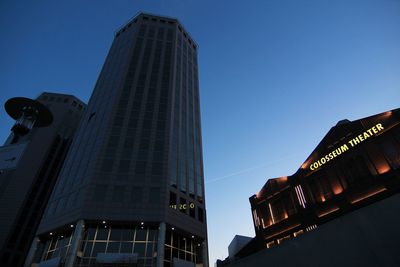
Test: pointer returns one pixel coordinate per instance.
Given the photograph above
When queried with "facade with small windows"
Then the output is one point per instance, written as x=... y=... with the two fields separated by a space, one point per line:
x=132 y=189
x=29 y=167
x=354 y=166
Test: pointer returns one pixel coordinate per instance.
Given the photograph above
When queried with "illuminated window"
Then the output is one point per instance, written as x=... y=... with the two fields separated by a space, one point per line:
x=270 y=244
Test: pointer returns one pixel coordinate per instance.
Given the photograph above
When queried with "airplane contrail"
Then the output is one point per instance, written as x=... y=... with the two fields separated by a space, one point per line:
x=250 y=169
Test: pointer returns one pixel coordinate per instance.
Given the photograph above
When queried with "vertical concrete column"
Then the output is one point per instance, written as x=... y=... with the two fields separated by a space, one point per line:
x=160 y=245
x=205 y=253
x=76 y=239
x=31 y=253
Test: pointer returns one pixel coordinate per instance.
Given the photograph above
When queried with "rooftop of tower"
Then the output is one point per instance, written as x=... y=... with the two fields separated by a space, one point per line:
x=157 y=18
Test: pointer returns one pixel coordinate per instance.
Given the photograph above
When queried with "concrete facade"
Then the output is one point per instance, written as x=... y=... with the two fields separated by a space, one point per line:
x=136 y=163
x=28 y=172
x=365 y=237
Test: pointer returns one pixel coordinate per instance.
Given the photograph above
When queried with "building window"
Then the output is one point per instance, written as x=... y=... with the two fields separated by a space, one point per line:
x=118 y=193
x=172 y=200
x=391 y=150
x=107 y=165
x=124 y=166
x=179 y=246
x=157 y=168
x=200 y=214
x=154 y=195
x=137 y=194
x=183 y=205
x=57 y=246
x=192 y=210
x=118 y=239
x=100 y=192
x=140 y=167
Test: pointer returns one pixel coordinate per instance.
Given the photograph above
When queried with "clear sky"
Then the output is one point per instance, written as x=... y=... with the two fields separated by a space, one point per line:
x=275 y=76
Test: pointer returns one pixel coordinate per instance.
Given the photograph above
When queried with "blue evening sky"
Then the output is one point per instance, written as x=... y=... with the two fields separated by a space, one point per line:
x=275 y=76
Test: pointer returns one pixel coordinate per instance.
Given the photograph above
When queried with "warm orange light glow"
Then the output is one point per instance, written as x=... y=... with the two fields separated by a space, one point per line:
x=387 y=113
x=282 y=179
x=306 y=164
x=285 y=230
x=368 y=195
x=286 y=215
x=323 y=198
x=328 y=212
x=271 y=214
x=383 y=168
x=298 y=233
x=337 y=189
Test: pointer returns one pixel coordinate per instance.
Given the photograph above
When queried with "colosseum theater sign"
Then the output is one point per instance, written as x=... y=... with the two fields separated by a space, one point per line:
x=373 y=131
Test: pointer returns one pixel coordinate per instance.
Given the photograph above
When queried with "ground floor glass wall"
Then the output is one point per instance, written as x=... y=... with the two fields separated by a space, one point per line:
x=141 y=240
x=182 y=248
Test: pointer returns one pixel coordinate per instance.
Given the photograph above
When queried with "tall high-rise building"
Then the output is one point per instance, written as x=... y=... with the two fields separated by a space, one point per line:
x=131 y=192
x=29 y=166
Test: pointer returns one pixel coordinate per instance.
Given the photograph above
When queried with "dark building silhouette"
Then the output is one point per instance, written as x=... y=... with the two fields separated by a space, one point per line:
x=131 y=191
x=29 y=167
x=355 y=165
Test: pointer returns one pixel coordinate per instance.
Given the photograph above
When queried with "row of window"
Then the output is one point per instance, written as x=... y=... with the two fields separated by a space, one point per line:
x=141 y=240
x=186 y=207
x=59 y=99
x=103 y=239
x=182 y=247
x=122 y=193
x=87 y=141
x=360 y=169
x=152 y=29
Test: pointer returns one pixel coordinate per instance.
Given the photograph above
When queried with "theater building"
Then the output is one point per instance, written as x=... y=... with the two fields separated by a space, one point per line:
x=355 y=165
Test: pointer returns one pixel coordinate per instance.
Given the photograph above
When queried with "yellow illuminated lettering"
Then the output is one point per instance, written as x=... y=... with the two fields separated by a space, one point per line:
x=344 y=148
x=379 y=127
x=353 y=142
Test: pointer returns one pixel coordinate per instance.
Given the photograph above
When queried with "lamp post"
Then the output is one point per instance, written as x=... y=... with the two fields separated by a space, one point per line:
x=27 y=113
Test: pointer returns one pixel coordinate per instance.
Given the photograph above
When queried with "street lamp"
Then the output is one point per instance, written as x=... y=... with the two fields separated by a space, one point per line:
x=27 y=113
